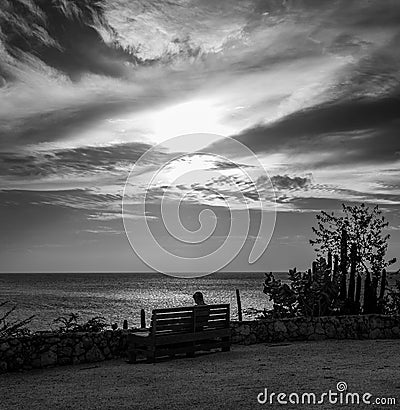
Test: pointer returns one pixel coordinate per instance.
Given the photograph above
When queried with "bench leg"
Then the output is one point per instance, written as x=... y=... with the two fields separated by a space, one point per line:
x=151 y=357
x=226 y=347
x=191 y=349
x=131 y=357
x=132 y=354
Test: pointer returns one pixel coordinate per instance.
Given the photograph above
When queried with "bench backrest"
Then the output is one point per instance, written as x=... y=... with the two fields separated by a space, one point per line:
x=190 y=319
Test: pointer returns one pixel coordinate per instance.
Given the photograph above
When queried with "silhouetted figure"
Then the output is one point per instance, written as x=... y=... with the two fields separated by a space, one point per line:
x=198 y=298
x=201 y=312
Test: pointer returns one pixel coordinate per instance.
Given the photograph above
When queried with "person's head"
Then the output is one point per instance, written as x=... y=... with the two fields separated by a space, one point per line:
x=198 y=298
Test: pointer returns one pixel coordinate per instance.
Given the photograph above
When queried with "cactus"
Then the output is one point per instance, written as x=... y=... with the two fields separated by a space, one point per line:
x=335 y=267
x=353 y=271
x=329 y=261
x=309 y=275
x=367 y=294
x=383 y=285
x=374 y=297
x=381 y=300
x=343 y=265
x=357 y=297
x=314 y=268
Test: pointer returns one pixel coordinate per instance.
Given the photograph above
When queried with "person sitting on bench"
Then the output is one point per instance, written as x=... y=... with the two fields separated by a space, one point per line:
x=198 y=298
x=202 y=312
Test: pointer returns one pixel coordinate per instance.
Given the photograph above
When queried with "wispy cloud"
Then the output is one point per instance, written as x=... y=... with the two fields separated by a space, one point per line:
x=86 y=87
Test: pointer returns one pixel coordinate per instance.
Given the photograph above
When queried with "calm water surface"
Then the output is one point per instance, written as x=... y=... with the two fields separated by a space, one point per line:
x=119 y=296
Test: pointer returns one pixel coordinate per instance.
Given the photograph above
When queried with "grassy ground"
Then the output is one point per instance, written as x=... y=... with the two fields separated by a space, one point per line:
x=229 y=380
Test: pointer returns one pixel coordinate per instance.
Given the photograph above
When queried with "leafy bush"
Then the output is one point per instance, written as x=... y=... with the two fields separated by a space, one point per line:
x=392 y=302
x=307 y=294
x=13 y=328
x=71 y=323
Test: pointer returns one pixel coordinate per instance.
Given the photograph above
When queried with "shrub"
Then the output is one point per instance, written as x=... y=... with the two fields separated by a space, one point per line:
x=71 y=323
x=12 y=328
x=392 y=302
x=311 y=293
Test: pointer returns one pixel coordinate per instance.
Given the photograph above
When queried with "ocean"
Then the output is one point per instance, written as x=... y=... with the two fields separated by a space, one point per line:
x=120 y=296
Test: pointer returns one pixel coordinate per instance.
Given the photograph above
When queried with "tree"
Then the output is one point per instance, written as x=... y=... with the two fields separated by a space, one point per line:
x=364 y=227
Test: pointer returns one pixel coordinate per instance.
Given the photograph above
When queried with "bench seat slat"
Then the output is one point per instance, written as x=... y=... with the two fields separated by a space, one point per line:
x=218 y=311
x=191 y=337
x=183 y=315
x=173 y=321
x=217 y=315
x=170 y=310
x=176 y=328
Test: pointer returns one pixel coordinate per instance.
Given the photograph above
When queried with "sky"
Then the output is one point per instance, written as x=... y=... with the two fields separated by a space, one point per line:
x=87 y=88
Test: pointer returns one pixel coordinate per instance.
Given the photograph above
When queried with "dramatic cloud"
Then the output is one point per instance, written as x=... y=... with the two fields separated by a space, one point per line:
x=88 y=86
x=287 y=182
x=362 y=130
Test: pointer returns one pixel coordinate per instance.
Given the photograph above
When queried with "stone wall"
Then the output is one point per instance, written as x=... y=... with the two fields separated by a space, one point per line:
x=320 y=328
x=52 y=349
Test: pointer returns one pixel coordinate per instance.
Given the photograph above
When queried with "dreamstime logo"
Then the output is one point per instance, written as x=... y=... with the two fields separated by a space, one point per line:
x=341 y=386
x=340 y=396
x=190 y=214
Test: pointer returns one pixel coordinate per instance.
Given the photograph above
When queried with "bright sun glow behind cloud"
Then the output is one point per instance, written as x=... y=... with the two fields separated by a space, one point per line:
x=196 y=116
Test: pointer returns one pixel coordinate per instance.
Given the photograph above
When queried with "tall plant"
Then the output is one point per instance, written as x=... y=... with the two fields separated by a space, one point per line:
x=364 y=227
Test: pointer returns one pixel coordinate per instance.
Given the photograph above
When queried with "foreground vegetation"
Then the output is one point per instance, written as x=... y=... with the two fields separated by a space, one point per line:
x=349 y=275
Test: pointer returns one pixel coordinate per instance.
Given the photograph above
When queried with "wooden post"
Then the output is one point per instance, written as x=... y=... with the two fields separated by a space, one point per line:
x=125 y=325
x=142 y=318
x=239 y=304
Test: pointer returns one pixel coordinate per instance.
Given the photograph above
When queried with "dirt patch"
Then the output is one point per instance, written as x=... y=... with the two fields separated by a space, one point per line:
x=230 y=380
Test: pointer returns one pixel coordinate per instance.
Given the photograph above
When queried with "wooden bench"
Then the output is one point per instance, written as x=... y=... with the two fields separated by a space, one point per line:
x=182 y=330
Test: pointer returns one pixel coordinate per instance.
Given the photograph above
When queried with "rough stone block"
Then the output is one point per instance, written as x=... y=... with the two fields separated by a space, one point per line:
x=319 y=329
x=65 y=351
x=280 y=327
x=245 y=330
x=48 y=358
x=4 y=346
x=94 y=355
x=375 y=334
x=377 y=322
x=87 y=342
x=316 y=336
x=64 y=360
x=3 y=367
